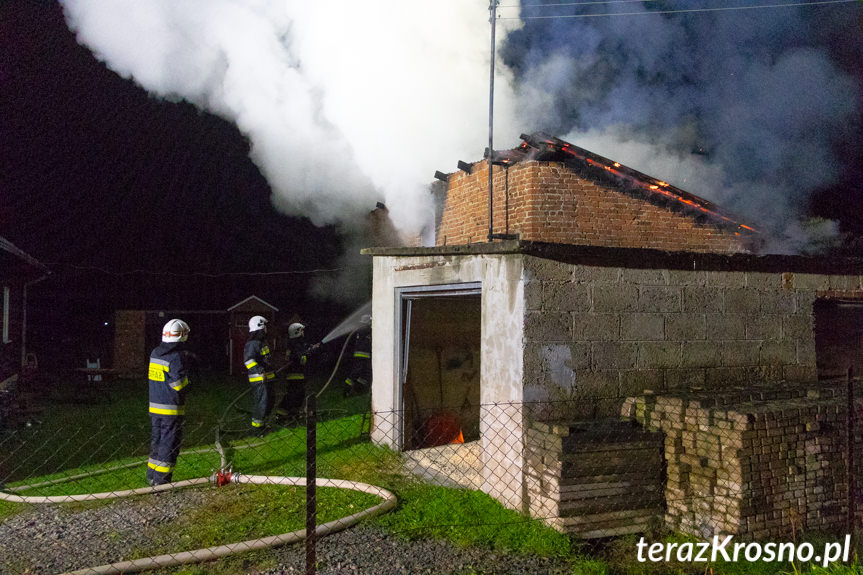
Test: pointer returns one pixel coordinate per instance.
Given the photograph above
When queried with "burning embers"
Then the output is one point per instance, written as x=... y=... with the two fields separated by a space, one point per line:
x=542 y=147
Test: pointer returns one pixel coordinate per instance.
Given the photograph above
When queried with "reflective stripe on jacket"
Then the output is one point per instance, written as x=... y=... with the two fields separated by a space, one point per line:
x=168 y=379
x=257 y=360
x=160 y=466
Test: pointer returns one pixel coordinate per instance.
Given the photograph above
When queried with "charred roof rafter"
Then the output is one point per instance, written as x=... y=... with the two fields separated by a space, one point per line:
x=544 y=148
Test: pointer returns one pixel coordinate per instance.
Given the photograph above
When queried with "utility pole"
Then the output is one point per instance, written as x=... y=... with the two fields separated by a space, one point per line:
x=492 y=8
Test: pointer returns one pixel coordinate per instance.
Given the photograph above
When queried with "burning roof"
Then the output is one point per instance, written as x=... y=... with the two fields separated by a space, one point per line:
x=542 y=147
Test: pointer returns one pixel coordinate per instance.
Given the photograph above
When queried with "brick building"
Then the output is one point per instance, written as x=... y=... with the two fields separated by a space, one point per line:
x=548 y=190
x=617 y=288
x=217 y=336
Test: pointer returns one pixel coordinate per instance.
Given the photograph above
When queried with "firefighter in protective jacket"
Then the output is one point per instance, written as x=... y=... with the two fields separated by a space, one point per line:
x=257 y=358
x=297 y=356
x=169 y=378
x=359 y=380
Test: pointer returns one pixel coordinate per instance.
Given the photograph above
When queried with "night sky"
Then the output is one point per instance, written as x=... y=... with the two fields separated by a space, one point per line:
x=136 y=202
x=131 y=201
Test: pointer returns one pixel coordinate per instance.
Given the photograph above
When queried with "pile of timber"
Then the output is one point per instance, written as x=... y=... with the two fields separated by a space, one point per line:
x=595 y=479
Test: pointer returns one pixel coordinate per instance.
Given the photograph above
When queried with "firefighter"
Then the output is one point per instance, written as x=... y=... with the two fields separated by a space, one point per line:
x=297 y=356
x=257 y=358
x=169 y=370
x=359 y=380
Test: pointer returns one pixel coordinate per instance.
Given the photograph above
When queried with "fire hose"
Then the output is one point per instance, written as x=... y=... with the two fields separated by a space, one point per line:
x=215 y=552
x=221 y=477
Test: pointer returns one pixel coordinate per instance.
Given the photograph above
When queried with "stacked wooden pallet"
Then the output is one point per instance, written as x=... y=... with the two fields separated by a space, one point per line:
x=595 y=479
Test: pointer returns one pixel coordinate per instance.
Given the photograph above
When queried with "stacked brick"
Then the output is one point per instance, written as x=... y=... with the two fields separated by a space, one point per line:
x=551 y=202
x=594 y=480
x=759 y=464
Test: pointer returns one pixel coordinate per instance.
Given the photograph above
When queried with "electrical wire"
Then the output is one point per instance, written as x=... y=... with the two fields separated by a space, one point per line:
x=682 y=10
x=192 y=274
x=562 y=4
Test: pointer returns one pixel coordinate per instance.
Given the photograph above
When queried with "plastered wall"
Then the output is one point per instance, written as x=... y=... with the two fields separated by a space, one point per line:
x=502 y=318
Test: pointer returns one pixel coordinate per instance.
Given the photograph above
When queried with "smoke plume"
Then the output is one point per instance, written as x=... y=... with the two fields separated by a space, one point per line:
x=343 y=103
x=770 y=99
x=347 y=103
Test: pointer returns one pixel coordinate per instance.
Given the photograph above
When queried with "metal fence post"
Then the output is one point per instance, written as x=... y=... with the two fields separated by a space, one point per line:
x=850 y=448
x=311 y=473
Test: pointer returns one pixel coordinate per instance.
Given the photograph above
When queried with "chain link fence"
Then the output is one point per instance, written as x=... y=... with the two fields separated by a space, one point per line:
x=759 y=464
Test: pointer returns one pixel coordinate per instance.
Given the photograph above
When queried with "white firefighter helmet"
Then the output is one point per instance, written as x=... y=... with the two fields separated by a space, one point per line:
x=175 y=330
x=257 y=322
x=295 y=330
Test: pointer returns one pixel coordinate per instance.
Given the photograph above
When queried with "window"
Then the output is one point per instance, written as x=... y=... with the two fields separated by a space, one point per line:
x=6 y=296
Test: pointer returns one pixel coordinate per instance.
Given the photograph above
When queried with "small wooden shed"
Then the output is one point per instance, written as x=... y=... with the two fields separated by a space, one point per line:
x=239 y=315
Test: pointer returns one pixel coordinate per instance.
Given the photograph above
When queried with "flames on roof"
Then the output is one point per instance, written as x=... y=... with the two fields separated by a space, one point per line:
x=542 y=147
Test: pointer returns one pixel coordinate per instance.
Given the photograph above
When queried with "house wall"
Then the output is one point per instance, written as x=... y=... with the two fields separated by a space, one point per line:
x=10 y=351
x=502 y=318
x=595 y=335
x=549 y=202
x=137 y=332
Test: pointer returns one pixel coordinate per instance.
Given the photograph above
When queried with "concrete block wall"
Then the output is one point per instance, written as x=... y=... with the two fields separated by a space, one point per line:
x=549 y=202
x=595 y=335
x=760 y=464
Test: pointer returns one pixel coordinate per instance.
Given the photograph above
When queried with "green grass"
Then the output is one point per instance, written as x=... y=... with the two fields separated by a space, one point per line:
x=470 y=518
x=85 y=438
x=242 y=512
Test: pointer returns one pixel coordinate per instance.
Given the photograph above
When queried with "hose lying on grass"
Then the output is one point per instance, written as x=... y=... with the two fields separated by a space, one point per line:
x=210 y=553
x=206 y=554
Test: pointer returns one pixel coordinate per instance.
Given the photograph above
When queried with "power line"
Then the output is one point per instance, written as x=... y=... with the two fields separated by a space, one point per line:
x=587 y=2
x=190 y=274
x=684 y=10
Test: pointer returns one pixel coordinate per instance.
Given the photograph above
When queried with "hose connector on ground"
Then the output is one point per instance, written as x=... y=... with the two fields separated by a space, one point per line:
x=223 y=477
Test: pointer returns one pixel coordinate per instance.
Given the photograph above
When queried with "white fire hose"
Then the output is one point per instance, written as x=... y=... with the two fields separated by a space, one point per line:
x=207 y=554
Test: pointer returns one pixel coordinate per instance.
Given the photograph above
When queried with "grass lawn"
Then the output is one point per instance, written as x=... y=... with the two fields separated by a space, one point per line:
x=80 y=438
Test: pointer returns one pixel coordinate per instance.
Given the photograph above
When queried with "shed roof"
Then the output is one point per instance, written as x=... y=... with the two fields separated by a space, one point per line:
x=635 y=258
x=250 y=299
x=542 y=147
x=10 y=248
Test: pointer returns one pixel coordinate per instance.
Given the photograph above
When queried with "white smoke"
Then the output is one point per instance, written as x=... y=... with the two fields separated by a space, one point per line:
x=770 y=96
x=344 y=103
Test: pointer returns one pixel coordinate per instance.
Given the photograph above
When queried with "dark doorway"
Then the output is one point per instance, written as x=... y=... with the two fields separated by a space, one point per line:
x=838 y=338
x=441 y=337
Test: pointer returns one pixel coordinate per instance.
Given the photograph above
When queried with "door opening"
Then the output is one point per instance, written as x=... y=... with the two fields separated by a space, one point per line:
x=838 y=338
x=440 y=365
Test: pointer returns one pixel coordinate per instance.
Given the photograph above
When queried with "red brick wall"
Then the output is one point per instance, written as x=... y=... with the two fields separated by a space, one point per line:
x=550 y=203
